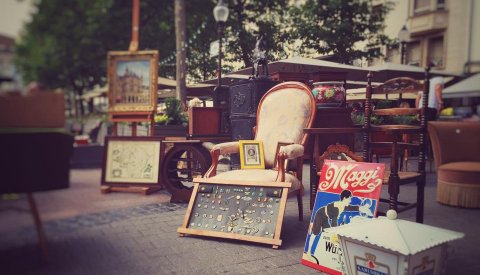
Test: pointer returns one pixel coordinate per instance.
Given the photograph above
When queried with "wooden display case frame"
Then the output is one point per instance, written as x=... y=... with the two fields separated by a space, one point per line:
x=276 y=242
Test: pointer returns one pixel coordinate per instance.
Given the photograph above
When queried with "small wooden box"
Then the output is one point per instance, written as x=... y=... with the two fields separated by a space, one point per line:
x=204 y=120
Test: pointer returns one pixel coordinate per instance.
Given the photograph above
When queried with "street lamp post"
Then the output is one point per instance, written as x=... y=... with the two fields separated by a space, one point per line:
x=403 y=36
x=220 y=12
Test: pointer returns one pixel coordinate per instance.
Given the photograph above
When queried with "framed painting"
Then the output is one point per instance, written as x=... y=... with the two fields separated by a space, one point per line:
x=132 y=161
x=251 y=154
x=132 y=81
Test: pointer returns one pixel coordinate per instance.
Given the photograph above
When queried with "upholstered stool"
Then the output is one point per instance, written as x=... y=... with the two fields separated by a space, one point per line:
x=459 y=184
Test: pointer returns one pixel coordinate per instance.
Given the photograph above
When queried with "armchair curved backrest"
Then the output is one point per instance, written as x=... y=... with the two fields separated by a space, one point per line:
x=282 y=114
x=454 y=141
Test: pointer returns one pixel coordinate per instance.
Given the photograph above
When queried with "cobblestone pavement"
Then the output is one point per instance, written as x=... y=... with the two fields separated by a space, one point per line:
x=142 y=239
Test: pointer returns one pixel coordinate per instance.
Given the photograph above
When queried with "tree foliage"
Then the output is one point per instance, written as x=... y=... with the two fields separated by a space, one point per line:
x=336 y=26
x=248 y=20
x=66 y=43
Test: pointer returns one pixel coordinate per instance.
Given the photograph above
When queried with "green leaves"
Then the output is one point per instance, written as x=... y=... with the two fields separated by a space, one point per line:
x=66 y=43
x=336 y=26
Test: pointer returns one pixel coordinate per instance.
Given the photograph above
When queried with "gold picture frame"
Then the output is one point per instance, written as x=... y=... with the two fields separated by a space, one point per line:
x=251 y=154
x=132 y=81
x=132 y=161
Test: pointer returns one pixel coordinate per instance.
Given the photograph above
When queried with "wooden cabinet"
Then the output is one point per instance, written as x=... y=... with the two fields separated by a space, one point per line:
x=244 y=99
x=331 y=117
x=204 y=120
x=221 y=99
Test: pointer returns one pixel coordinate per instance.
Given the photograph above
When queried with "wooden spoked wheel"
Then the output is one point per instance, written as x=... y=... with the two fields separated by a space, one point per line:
x=181 y=165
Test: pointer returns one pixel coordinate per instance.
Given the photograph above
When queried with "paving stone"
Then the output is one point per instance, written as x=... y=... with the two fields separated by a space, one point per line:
x=142 y=239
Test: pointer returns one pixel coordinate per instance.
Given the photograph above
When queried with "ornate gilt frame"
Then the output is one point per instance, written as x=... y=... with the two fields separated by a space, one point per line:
x=117 y=64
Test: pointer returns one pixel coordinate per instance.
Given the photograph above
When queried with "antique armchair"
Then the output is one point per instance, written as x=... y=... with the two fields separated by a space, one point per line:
x=397 y=145
x=282 y=114
x=456 y=149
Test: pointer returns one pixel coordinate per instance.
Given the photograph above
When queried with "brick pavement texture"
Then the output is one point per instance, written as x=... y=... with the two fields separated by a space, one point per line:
x=142 y=239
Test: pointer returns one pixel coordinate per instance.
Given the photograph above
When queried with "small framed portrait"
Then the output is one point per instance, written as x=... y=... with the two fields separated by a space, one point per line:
x=132 y=161
x=132 y=81
x=251 y=154
x=279 y=146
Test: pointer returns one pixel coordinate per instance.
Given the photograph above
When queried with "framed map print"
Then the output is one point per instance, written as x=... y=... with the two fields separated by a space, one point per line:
x=132 y=161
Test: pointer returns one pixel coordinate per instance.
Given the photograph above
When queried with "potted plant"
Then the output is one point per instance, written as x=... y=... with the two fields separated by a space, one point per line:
x=173 y=122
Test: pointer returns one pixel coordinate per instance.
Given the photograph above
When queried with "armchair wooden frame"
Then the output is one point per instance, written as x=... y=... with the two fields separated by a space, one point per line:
x=283 y=155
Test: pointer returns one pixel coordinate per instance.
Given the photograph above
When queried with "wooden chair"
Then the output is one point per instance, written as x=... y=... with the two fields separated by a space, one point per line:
x=395 y=178
x=337 y=152
x=282 y=114
x=334 y=152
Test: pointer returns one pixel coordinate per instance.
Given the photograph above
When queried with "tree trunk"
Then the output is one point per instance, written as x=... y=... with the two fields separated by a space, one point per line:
x=239 y=8
x=181 y=43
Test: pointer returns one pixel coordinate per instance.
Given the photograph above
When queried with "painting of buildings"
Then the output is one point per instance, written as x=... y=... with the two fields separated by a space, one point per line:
x=132 y=83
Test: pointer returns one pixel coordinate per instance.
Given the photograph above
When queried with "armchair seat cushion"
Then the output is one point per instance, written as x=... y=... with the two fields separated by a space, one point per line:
x=466 y=172
x=259 y=175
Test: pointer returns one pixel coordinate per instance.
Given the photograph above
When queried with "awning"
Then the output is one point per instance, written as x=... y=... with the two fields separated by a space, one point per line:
x=165 y=88
x=469 y=87
x=310 y=65
x=386 y=71
x=227 y=79
x=96 y=92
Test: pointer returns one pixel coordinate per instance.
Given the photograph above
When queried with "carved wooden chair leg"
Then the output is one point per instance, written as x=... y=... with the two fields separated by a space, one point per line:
x=300 y=206
x=42 y=240
x=420 y=199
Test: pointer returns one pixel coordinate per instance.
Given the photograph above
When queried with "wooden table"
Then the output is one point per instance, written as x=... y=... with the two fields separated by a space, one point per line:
x=318 y=134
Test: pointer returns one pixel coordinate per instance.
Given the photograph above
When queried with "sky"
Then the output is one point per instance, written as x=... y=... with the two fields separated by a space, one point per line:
x=13 y=14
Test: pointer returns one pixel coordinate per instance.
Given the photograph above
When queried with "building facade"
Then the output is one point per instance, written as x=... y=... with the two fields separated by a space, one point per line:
x=443 y=32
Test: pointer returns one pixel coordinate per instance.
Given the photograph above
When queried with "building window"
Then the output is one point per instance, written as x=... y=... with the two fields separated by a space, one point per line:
x=421 y=6
x=440 y=4
x=435 y=51
x=414 y=53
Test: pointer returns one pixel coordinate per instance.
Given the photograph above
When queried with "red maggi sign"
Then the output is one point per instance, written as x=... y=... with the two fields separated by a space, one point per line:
x=350 y=175
x=346 y=191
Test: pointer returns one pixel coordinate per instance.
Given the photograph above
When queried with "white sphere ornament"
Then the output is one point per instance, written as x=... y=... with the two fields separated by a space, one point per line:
x=391 y=214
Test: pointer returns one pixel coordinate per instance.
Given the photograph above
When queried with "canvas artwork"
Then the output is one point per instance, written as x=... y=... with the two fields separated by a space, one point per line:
x=132 y=81
x=347 y=191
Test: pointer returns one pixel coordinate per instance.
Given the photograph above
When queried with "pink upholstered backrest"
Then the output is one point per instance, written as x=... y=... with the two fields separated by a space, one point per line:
x=454 y=141
x=283 y=113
